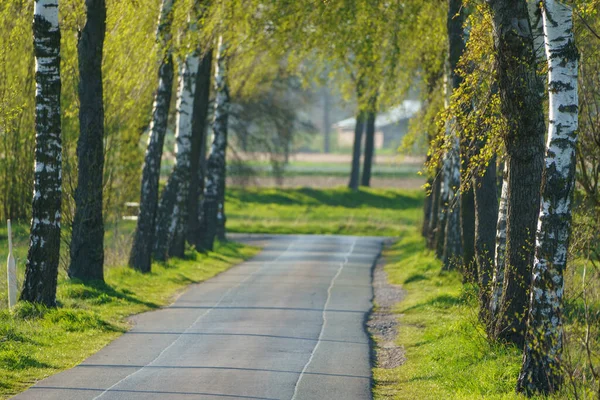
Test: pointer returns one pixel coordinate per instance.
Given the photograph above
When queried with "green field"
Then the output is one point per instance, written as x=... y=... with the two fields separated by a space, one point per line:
x=370 y=212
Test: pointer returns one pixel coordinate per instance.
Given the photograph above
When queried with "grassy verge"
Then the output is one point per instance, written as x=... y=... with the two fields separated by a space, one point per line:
x=36 y=342
x=447 y=353
x=372 y=212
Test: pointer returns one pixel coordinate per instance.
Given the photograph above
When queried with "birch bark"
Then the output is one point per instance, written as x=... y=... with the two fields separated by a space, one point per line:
x=541 y=369
x=521 y=106
x=141 y=252
x=500 y=256
x=216 y=164
x=172 y=209
x=44 y=248
x=87 y=239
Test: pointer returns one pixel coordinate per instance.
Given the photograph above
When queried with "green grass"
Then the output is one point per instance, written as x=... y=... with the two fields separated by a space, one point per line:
x=369 y=212
x=36 y=342
x=447 y=353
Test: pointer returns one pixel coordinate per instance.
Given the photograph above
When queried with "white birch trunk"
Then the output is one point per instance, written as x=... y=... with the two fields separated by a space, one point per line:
x=173 y=210
x=140 y=257
x=44 y=249
x=11 y=271
x=498 y=277
x=541 y=370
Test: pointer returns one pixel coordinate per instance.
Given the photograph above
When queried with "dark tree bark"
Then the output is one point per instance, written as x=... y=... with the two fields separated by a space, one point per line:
x=435 y=210
x=356 y=150
x=428 y=205
x=467 y=229
x=442 y=204
x=369 y=149
x=201 y=103
x=87 y=240
x=141 y=251
x=452 y=252
x=521 y=105
x=41 y=270
x=486 y=217
x=215 y=172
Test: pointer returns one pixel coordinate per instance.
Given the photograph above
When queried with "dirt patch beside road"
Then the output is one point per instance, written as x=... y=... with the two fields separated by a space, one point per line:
x=382 y=322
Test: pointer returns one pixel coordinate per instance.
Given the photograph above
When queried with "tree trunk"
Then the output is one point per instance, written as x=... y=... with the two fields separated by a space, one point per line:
x=44 y=240
x=428 y=204
x=173 y=206
x=87 y=239
x=141 y=251
x=521 y=105
x=452 y=251
x=541 y=370
x=467 y=230
x=435 y=207
x=356 y=150
x=440 y=230
x=201 y=102
x=369 y=149
x=215 y=172
x=486 y=217
x=452 y=255
x=500 y=254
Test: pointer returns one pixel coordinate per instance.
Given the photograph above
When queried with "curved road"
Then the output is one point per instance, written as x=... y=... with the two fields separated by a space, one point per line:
x=288 y=324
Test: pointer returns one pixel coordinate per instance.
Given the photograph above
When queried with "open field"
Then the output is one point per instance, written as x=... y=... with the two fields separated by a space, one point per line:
x=369 y=212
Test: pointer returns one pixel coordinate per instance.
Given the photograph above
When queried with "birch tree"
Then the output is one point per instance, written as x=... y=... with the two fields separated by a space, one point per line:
x=44 y=247
x=500 y=251
x=541 y=369
x=521 y=107
x=173 y=207
x=452 y=237
x=216 y=164
x=87 y=241
x=141 y=252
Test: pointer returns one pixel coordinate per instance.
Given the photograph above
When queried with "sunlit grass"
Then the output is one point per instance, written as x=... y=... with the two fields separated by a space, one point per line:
x=370 y=212
x=36 y=342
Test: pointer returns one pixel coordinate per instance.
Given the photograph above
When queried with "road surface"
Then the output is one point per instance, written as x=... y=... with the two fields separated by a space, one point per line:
x=288 y=324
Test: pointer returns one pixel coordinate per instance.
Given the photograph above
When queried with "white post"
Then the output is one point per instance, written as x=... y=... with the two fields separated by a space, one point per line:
x=11 y=272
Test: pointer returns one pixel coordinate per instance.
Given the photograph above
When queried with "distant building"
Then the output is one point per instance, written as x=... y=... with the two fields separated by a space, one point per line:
x=390 y=126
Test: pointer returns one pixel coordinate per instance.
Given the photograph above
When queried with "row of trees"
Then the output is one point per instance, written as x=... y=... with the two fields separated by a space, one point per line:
x=162 y=226
x=480 y=66
x=91 y=105
x=510 y=98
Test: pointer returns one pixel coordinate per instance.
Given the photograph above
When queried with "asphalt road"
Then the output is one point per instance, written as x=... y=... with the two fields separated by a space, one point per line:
x=288 y=324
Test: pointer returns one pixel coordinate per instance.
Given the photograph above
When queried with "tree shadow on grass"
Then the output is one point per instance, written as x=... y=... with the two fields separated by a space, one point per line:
x=15 y=361
x=98 y=292
x=334 y=197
